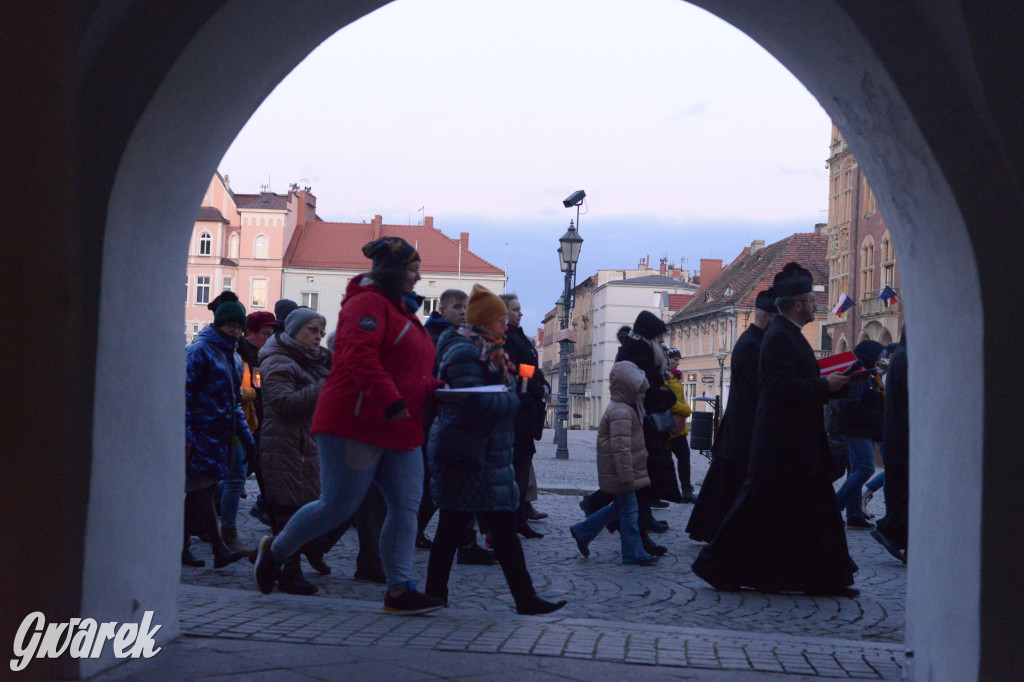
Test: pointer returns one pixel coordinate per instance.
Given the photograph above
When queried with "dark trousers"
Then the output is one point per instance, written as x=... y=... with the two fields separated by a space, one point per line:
x=522 y=469
x=681 y=449
x=502 y=525
x=201 y=515
x=897 y=499
x=368 y=521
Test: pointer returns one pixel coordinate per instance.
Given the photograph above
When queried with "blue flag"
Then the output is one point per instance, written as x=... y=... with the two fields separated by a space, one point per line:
x=888 y=294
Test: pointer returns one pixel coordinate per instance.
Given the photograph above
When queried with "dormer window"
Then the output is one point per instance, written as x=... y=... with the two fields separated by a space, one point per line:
x=728 y=292
x=205 y=244
x=707 y=296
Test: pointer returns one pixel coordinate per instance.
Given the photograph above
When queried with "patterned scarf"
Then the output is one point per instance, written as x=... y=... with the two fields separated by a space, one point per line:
x=492 y=350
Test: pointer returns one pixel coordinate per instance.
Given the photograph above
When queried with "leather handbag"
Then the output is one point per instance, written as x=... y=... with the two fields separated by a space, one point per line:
x=662 y=421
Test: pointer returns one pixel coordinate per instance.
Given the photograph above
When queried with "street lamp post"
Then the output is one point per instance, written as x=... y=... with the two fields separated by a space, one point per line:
x=721 y=356
x=568 y=256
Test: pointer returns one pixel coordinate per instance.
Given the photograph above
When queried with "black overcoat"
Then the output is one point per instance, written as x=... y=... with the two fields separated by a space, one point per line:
x=789 y=439
x=731 y=450
x=737 y=430
x=785 y=531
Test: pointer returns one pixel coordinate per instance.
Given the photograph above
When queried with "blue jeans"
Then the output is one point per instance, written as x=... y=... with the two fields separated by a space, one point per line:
x=347 y=469
x=876 y=482
x=234 y=485
x=862 y=465
x=623 y=507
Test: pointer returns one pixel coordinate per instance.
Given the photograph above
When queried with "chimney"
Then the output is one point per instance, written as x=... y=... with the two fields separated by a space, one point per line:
x=663 y=267
x=378 y=227
x=756 y=246
x=464 y=239
x=306 y=207
x=428 y=221
x=709 y=270
x=821 y=228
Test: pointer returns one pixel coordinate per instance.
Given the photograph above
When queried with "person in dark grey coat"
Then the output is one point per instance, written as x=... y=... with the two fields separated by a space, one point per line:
x=891 y=531
x=470 y=452
x=731 y=450
x=785 y=533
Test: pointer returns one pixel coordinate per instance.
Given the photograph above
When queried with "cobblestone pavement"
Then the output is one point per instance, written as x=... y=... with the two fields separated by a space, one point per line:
x=657 y=615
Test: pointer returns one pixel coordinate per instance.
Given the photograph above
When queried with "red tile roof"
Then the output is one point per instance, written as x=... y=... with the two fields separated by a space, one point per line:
x=751 y=274
x=339 y=245
x=678 y=301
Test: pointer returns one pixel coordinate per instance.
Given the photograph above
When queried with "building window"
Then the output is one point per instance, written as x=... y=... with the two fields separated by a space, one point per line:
x=233 y=246
x=868 y=203
x=202 y=290
x=205 y=244
x=311 y=300
x=227 y=284
x=867 y=268
x=259 y=293
x=259 y=249
x=888 y=261
x=430 y=305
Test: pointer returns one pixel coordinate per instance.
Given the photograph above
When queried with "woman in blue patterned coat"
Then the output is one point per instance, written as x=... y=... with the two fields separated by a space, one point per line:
x=470 y=452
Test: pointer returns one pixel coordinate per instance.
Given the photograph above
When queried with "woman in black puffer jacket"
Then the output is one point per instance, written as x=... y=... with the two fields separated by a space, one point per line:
x=470 y=452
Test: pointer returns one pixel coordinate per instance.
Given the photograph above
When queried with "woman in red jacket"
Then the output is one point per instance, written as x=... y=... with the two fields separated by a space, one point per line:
x=368 y=423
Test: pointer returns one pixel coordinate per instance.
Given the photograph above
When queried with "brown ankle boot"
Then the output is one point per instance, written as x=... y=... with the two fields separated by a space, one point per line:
x=231 y=540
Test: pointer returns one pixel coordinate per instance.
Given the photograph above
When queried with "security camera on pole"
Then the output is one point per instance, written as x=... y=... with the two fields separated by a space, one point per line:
x=568 y=256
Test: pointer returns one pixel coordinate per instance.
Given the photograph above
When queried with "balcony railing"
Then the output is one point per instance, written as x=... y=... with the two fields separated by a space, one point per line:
x=870 y=305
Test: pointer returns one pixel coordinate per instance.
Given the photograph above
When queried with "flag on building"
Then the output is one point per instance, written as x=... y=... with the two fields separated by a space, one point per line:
x=836 y=363
x=888 y=294
x=844 y=304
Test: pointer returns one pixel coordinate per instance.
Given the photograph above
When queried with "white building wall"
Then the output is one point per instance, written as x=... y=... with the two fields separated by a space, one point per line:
x=617 y=303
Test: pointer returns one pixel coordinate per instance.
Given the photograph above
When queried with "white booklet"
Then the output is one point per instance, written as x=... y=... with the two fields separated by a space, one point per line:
x=490 y=388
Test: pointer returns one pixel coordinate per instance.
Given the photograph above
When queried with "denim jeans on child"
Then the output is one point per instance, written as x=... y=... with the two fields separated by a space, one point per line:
x=347 y=469
x=233 y=486
x=862 y=465
x=623 y=507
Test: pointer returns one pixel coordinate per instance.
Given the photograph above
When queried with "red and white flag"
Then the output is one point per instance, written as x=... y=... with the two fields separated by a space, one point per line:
x=837 y=363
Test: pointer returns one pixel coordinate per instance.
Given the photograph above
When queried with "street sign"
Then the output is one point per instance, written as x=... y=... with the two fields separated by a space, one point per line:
x=708 y=380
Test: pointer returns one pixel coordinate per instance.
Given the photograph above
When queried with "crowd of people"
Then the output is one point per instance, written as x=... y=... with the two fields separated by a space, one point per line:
x=394 y=421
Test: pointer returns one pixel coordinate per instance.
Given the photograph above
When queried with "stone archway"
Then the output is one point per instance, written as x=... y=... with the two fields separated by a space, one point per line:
x=924 y=94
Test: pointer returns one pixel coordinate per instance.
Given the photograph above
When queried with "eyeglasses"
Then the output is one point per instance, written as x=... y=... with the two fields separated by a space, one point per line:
x=316 y=330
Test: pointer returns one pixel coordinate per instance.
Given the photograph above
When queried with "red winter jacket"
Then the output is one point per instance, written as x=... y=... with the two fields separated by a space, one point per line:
x=382 y=356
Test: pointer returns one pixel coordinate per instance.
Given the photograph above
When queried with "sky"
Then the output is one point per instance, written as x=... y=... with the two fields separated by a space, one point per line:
x=689 y=139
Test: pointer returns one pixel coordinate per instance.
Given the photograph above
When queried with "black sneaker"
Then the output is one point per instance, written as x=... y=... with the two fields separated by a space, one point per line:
x=659 y=504
x=371 y=576
x=265 y=571
x=857 y=523
x=411 y=603
x=475 y=555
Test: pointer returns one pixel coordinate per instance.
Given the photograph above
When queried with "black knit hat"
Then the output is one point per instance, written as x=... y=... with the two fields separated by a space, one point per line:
x=649 y=325
x=793 y=281
x=766 y=301
x=389 y=253
x=282 y=308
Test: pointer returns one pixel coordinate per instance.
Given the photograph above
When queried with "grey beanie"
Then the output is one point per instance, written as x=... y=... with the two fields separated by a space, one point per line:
x=299 y=317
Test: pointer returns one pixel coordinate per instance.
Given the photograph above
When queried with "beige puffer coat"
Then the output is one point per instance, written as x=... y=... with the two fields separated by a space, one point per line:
x=289 y=459
x=621 y=455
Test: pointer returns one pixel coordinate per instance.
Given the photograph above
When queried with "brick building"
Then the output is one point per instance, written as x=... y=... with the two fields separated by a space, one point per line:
x=861 y=256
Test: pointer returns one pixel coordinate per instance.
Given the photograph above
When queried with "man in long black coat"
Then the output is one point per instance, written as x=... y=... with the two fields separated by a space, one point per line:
x=731 y=450
x=891 y=531
x=785 y=532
